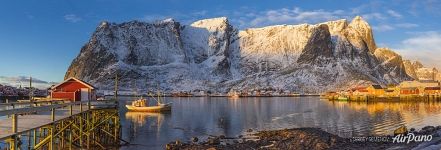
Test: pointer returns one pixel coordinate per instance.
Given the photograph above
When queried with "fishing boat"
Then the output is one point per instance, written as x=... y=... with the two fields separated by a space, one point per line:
x=342 y=98
x=141 y=105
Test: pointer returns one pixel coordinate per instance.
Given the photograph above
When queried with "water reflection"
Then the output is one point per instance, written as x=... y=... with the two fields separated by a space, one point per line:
x=231 y=117
x=140 y=118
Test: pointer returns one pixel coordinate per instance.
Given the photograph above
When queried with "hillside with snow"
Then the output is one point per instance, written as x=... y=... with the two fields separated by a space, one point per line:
x=212 y=55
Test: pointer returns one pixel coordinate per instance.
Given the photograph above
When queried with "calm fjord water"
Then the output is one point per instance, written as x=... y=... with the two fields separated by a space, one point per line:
x=202 y=116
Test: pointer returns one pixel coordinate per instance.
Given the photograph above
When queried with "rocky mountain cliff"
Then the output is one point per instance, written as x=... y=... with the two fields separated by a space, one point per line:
x=212 y=55
x=418 y=72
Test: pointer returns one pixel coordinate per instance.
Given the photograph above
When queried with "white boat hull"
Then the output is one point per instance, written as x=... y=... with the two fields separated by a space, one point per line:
x=162 y=107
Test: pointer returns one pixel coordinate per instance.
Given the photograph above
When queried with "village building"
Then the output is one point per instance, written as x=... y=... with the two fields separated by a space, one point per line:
x=418 y=87
x=360 y=91
x=409 y=91
x=392 y=91
x=73 y=89
x=419 y=84
x=376 y=90
x=432 y=90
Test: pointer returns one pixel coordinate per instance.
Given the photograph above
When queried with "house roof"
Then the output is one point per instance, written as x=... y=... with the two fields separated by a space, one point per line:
x=389 y=90
x=359 y=89
x=409 y=88
x=432 y=88
x=376 y=86
x=78 y=80
x=428 y=81
x=363 y=90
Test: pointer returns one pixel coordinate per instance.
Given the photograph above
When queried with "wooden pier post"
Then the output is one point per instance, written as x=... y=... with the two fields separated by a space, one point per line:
x=34 y=141
x=13 y=142
x=71 y=110
x=53 y=114
x=14 y=123
x=81 y=124
x=51 y=146
x=29 y=139
x=88 y=127
x=70 y=139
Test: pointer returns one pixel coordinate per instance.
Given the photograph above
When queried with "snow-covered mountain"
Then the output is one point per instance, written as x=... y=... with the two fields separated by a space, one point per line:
x=212 y=55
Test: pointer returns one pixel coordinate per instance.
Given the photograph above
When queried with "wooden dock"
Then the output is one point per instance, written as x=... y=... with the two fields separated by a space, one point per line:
x=31 y=121
x=30 y=118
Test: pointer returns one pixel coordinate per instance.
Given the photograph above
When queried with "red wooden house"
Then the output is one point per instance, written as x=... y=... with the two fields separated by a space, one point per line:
x=73 y=89
x=409 y=91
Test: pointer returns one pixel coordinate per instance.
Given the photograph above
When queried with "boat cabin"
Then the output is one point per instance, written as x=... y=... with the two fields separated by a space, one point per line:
x=73 y=89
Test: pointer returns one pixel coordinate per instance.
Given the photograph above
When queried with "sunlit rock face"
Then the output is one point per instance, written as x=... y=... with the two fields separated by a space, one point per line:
x=418 y=72
x=212 y=55
x=392 y=63
x=410 y=68
x=427 y=73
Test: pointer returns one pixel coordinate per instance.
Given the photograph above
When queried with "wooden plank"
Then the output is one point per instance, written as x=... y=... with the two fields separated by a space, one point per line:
x=27 y=103
x=28 y=122
x=36 y=117
x=35 y=109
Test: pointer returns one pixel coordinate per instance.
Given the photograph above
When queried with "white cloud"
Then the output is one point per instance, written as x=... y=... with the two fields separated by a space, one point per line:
x=72 y=18
x=152 y=18
x=407 y=25
x=290 y=16
x=389 y=27
x=375 y=15
x=200 y=13
x=383 y=27
x=184 y=18
x=424 y=47
x=24 y=82
x=394 y=14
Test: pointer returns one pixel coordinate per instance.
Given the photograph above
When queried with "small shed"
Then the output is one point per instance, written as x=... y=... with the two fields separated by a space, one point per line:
x=376 y=90
x=73 y=89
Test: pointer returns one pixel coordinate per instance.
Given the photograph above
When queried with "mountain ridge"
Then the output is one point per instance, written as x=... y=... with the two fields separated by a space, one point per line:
x=212 y=55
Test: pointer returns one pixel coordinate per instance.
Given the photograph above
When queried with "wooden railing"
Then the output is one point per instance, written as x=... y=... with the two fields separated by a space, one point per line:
x=29 y=110
x=15 y=105
x=84 y=106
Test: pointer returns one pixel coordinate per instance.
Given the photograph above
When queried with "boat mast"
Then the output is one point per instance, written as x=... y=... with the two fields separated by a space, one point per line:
x=158 y=93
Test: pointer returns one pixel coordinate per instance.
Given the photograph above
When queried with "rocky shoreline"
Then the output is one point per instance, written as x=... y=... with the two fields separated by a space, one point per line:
x=309 y=139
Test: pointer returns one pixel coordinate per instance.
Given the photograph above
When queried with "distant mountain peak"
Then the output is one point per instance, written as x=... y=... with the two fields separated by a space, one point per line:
x=212 y=55
x=365 y=31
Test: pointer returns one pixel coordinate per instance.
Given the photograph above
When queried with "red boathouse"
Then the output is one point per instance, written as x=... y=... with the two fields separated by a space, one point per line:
x=73 y=89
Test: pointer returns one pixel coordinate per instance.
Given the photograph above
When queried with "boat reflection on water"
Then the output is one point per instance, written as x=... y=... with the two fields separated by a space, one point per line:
x=141 y=118
x=139 y=127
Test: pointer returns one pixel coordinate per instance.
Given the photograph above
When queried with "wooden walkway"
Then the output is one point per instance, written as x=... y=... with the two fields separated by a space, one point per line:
x=28 y=122
x=28 y=117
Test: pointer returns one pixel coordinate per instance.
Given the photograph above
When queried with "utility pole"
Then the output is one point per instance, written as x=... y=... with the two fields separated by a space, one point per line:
x=30 y=89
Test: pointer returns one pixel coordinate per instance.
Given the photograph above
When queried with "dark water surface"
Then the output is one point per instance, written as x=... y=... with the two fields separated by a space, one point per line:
x=202 y=116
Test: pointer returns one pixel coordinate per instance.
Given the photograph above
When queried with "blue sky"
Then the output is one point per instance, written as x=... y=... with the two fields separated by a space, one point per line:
x=41 y=37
